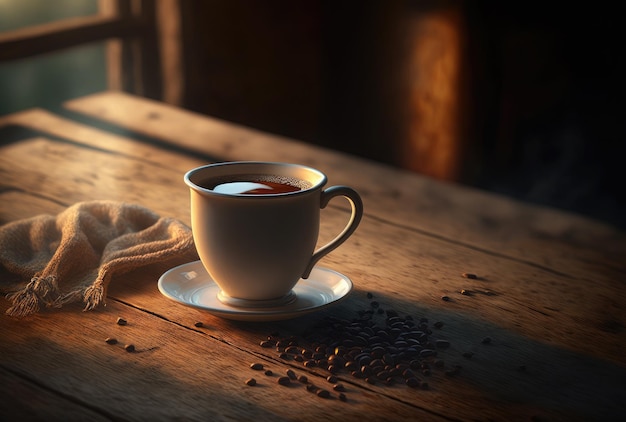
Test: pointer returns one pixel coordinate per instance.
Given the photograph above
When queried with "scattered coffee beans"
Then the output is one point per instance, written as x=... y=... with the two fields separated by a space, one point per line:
x=378 y=346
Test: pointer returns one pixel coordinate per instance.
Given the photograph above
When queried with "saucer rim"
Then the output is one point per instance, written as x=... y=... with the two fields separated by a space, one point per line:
x=255 y=314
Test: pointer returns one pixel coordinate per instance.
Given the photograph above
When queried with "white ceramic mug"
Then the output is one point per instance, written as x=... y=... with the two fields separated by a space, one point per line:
x=257 y=247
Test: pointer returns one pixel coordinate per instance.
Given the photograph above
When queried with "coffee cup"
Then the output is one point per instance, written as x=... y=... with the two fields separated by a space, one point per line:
x=256 y=226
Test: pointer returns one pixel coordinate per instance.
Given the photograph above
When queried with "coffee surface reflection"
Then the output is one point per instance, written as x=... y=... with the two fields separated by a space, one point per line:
x=258 y=186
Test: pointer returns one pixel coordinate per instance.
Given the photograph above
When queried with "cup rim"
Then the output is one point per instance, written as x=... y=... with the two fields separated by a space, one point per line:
x=188 y=178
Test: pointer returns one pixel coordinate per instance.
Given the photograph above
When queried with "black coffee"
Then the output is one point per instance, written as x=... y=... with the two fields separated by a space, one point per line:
x=256 y=185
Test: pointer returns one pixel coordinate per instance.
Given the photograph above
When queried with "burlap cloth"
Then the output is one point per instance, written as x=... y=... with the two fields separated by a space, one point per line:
x=55 y=260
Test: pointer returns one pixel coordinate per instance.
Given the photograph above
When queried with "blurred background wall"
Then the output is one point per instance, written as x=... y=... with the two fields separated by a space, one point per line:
x=522 y=98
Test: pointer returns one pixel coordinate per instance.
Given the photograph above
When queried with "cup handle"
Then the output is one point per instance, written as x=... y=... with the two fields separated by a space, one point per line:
x=355 y=218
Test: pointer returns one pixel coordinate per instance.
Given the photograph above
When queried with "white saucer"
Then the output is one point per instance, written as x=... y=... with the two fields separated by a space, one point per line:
x=191 y=285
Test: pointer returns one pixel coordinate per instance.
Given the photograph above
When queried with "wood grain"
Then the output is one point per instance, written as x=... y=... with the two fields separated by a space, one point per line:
x=502 y=226
x=498 y=306
x=548 y=293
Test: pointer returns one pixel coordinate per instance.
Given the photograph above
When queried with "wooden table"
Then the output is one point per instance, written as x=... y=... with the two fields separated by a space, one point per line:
x=549 y=293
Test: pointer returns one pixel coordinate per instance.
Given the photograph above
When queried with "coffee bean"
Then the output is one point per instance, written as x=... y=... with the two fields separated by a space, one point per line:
x=445 y=298
x=303 y=379
x=292 y=350
x=339 y=387
x=438 y=324
x=323 y=394
x=121 y=321
x=465 y=292
x=376 y=362
x=198 y=324
x=342 y=397
x=251 y=382
x=312 y=388
x=267 y=343
x=366 y=370
x=486 y=340
x=269 y=373
x=256 y=366
x=382 y=375
x=470 y=275
x=412 y=382
x=110 y=340
x=291 y=374
x=388 y=359
x=427 y=353
x=129 y=348
x=284 y=381
x=332 y=379
x=336 y=360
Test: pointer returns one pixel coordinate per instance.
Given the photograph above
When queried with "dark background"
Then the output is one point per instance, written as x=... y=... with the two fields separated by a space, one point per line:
x=537 y=114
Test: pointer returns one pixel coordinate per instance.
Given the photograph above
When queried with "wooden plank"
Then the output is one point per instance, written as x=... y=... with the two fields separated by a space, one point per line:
x=499 y=226
x=16 y=205
x=42 y=404
x=66 y=33
x=174 y=373
x=575 y=361
x=566 y=373
x=73 y=174
x=37 y=122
